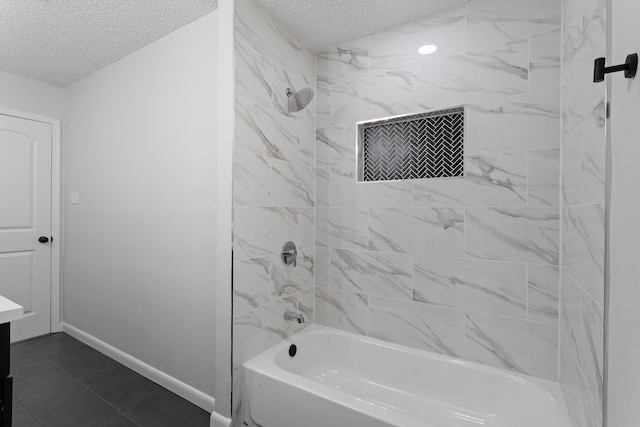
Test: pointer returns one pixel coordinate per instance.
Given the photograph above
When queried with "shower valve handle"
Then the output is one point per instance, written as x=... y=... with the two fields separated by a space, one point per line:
x=289 y=253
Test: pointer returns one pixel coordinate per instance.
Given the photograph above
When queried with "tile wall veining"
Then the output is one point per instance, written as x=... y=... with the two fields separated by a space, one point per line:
x=274 y=183
x=464 y=267
x=582 y=213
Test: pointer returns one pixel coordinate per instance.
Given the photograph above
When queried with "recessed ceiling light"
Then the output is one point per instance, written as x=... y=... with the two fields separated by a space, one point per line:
x=427 y=49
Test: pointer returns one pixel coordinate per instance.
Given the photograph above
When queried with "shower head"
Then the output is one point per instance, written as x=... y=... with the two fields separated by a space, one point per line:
x=300 y=99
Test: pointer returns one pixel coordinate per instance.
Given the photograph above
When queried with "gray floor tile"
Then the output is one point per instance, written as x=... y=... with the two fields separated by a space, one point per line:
x=83 y=362
x=22 y=417
x=165 y=409
x=25 y=365
x=61 y=382
x=48 y=345
x=121 y=386
x=57 y=399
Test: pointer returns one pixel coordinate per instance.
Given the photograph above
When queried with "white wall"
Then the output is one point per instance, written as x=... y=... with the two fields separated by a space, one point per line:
x=623 y=386
x=20 y=93
x=139 y=269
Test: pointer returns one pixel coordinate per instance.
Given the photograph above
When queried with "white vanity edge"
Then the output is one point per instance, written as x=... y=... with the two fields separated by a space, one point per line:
x=9 y=310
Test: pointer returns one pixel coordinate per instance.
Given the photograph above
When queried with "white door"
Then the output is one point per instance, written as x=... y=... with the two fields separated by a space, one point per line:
x=25 y=217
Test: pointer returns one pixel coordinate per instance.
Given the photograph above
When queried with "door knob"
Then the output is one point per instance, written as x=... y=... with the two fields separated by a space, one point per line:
x=43 y=239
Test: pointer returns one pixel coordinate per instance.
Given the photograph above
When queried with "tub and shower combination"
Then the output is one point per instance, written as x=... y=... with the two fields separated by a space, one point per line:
x=326 y=377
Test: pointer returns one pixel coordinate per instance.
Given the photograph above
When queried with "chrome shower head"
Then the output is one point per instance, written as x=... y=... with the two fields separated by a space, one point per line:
x=299 y=100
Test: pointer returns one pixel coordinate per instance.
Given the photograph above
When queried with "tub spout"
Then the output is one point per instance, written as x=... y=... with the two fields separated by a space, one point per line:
x=294 y=317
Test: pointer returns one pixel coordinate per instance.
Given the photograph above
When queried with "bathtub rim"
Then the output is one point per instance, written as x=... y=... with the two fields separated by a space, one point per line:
x=265 y=364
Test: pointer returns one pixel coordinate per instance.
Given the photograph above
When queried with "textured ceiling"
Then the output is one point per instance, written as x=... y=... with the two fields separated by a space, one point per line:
x=320 y=24
x=62 y=41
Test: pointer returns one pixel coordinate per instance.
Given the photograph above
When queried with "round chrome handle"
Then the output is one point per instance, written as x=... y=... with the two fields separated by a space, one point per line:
x=43 y=239
x=289 y=253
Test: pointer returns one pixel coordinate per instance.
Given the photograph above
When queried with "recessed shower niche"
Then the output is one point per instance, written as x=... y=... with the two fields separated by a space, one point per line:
x=426 y=145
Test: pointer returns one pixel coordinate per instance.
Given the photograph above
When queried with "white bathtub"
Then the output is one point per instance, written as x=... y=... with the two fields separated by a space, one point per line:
x=346 y=380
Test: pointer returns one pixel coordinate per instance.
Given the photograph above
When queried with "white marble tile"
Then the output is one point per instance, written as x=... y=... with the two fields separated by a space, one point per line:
x=253 y=76
x=306 y=228
x=544 y=61
x=240 y=412
x=493 y=179
x=398 y=47
x=428 y=327
x=251 y=284
x=544 y=177
x=582 y=332
x=251 y=180
x=256 y=29
x=592 y=350
x=584 y=407
x=442 y=192
x=387 y=93
x=323 y=107
x=342 y=64
x=343 y=228
x=543 y=287
x=335 y=144
x=323 y=267
x=346 y=191
x=571 y=167
x=376 y=96
x=341 y=310
x=283 y=226
x=472 y=77
x=308 y=66
x=323 y=187
x=347 y=105
x=371 y=273
x=429 y=231
x=306 y=303
x=583 y=247
x=513 y=234
x=516 y=123
x=260 y=231
x=307 y=143
x=250 y=239
x=257 y=330
x=584 y=30
x=571 y=327
x=513 y=344
x=259 y=130
x=496 y=179
x=290 y=279
x=492 y=22
x=485 y=286
x=594 y=145
x=292 y=184
x=584 y=37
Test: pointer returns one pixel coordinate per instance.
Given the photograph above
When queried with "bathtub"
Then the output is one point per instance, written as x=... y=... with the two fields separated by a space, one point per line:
x=342 y=379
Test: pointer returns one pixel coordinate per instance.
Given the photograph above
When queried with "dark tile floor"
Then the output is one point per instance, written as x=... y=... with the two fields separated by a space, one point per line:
x=61 y=382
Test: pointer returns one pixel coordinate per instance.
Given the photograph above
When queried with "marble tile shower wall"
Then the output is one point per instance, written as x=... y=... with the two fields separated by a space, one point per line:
x=582 y=214
x=464 y=267
x=273 y=188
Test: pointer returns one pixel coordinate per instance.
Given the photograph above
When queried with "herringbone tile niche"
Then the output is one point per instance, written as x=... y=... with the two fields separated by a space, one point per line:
x=426 y=145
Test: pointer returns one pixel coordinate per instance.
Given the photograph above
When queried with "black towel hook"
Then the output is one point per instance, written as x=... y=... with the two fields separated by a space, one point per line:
x=629 y=67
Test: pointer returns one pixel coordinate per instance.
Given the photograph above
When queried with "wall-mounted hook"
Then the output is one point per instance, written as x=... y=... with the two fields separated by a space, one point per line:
x=630 y=67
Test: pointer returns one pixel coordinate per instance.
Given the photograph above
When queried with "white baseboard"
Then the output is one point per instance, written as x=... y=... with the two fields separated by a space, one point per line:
x=183 y=390
x=218 y=420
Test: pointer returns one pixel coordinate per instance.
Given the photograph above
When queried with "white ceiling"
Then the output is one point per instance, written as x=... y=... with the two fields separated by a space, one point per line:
x=320 y=24
x=62 y=41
